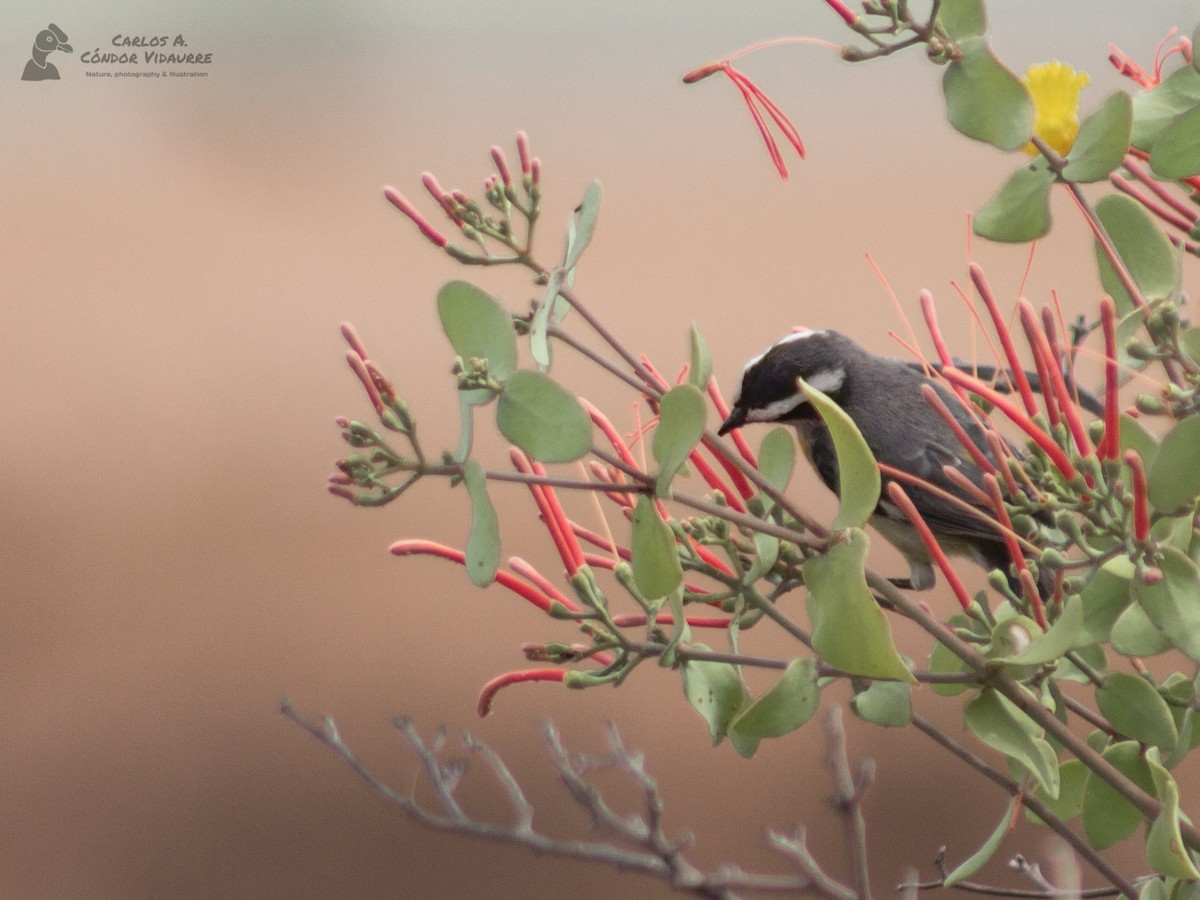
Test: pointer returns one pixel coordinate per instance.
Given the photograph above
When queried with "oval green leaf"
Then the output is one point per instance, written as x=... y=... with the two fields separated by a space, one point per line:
x=1165 y=851
x=777 y=458
x=858 y=476
x=1072 y=779
x=788 y=703
x=1176 y=154
x=1133 y=634
x=1173 y=604
x=1065 y=634
x=1020 y=211
x=657 y=571
x=543 y=418
x=1108 y=818
x=700 y=371
x=986 y=101
x=539 y=327
x=1173 y=479
x=586 y=215
x=1141 y=244
x=1156 y=109
x=483 y=541
x=850 y=631
x=886 y=703
x=976 y=861
x=962 y=18
x=1103 y=140
x=478 y=327
x=716 y=691
x=681 y=417
x=1105 y=597
x=1135 y=709
x=998 y=723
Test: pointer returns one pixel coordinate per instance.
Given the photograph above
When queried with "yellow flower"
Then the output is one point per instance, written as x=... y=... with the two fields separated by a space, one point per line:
x=1055 y=87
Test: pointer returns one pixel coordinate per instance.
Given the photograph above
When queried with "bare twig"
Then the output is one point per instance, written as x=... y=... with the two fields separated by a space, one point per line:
x=849 y=796
x=650 y=850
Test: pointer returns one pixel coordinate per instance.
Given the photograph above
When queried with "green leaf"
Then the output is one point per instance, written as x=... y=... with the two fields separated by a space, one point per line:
x=1020 y=211
x=858 y=476
x=1105 y=597
x=986 y=101
x=657 y=571
x=1141 y=244
x=1190 y=341
x=766 y=552
x=466 y=431
x=943 y=660
x=483 y=541
x=1072 y=780
x=1173 y=604
x=963 y=18
x=999 y=724
x=777 y=458
x=1103 y=140
x=1176 y=153
x=1165 y=850
x=788 y=703
x=1173 y=480
x=681 y=417
x=1108 y=818
x=1153 y=889
x=1133 y=634
x=1154 y=110
x=1063 y=635
x=700 y=371
x=850 y=631
x=543 y=418
x=1134 y=436
x=539 y=328
x=587 y=212
x=975 y=862
x=886 y=703
x=1135 y=709
x=478 y=327
x=716 y=691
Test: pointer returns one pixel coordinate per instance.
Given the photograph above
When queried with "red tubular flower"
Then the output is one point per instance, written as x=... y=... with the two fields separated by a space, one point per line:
x=715 y=481
x=359 y=367
x=501 y=162
x=849 y=16
x=602 y=542
x=897 y=495
x=1111 y=443
x=421 y=547
x=635 y=619
x=541 y=582
x=1141 y=505
x=741 y=483
x=1057 y=386
x=1043 y=360
x=401 y=203
x=1006 y=341
x=552 y=513
x=1060 y=459
x=931 y=322
x=601 y=421
x=939 y=405
x=1014 y=551
x=350 y=335
x=753 y=96
x=488 y=693
x=523 y=152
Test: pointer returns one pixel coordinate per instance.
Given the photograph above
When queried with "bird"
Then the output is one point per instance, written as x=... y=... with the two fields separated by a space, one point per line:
x=883 y=397
x=48 y=40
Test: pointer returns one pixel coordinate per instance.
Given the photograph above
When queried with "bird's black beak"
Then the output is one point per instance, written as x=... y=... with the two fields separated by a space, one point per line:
x=736 y=419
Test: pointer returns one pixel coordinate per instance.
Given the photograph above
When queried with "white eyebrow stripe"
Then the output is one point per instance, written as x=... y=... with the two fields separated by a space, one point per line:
x=798 y=335
x=828 y=380
x=776 y=409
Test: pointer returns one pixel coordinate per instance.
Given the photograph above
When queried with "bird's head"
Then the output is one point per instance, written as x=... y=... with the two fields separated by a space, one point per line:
x=768 y=391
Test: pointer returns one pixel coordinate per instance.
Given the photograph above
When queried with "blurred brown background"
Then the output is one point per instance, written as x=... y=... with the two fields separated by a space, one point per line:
x=176 y=257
